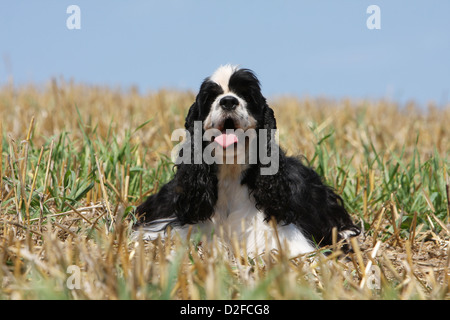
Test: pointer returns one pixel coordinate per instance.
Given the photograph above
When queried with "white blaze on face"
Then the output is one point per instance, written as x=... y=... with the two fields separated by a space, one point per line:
x=222 y=75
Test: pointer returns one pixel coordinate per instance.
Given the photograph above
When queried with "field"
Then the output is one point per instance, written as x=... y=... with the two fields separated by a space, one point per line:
x=77 y=159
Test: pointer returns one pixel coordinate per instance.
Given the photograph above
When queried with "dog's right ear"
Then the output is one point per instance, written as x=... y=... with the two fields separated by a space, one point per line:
x=195 y=184
x=192 y=115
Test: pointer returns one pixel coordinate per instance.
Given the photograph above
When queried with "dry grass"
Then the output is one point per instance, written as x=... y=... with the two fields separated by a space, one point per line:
x=75 y=160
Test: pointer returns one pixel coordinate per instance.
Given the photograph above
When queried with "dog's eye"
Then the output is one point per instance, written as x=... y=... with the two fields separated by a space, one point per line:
x=245 y=93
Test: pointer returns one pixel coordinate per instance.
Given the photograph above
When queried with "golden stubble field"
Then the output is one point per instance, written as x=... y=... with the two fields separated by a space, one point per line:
x=77 y=158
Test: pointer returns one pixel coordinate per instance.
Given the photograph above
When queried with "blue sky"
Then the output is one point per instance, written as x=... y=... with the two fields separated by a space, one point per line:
x=314 y=48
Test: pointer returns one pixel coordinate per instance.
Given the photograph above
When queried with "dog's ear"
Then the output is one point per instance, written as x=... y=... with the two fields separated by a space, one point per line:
x=269 y=121
x=192 y=115
x=195 y=184
x=195 y=192
x=269 y=124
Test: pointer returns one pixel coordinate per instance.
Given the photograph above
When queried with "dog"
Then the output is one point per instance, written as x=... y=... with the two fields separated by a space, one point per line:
x=238 y=199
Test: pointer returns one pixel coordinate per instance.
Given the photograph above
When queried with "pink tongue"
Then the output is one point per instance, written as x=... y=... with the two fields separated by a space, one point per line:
x=226 y=139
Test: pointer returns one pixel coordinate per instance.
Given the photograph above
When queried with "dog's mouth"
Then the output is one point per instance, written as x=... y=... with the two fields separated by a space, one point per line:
x=227 y=139
x=228 y=124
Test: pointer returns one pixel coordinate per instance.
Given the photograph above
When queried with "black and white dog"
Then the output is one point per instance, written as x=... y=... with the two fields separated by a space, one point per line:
x=238 y=197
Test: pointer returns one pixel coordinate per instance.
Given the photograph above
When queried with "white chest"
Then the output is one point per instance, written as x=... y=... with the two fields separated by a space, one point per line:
x=236 y=214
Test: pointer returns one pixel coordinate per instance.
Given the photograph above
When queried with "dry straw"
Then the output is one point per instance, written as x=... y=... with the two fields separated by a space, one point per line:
x=75 y=159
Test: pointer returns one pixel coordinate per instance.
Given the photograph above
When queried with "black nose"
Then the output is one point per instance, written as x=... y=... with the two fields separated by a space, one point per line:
x=229 y=103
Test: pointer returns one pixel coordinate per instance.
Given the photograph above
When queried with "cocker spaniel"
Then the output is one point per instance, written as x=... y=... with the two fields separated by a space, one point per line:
x=232 y=177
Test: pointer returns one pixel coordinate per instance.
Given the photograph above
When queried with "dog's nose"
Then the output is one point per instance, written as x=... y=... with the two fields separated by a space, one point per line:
x=229 y=103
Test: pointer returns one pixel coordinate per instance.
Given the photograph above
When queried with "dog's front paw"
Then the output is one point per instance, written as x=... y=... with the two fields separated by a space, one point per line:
x=349 y=233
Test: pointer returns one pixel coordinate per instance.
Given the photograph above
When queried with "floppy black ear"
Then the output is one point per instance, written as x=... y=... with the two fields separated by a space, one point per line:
x=269 y=124
x=191 y=195
x=195 y=184
x=270 y=191
x=193 y=114
x=269 y=121
x=195 y=192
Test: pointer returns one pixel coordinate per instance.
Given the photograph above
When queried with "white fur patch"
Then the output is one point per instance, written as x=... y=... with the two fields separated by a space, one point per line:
x=222 y=76
x=152 y=230
x=347 y=234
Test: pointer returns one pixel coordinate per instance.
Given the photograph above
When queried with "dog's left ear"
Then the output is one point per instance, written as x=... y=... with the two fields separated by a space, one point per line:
x=269 y=124
x=269 y=118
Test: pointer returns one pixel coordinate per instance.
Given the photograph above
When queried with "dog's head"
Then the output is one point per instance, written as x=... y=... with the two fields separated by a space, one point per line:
x=231 y=99
x=231 y=115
